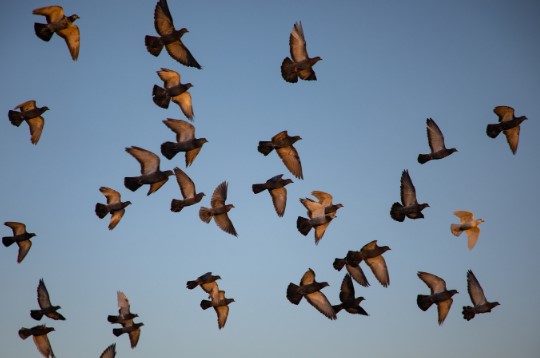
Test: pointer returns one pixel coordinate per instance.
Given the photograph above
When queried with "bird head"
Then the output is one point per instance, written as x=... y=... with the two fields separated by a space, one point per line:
x=452 y=150
x=287 y=181
x=182 y=31
x=127 y=203
x=73 y=17
x=188 y=86
x=31 y=234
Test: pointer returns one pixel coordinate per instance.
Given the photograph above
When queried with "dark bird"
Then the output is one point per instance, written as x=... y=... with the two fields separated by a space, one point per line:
x=114 y=206
x=320 y=214
x=436 y=144
x=169 y=37
x=30 y=113
x=174 y=90
x=219 y=210
x=45 y=305
x=468 y=225
x=371 y=254
x=283 y=144
x=409 y=207
x=39 y=335
x=63 y=25
x=439 y=295
x=311 y=290
x=109 y=352
x=133 y=331
x=352 y=262
x=320 y=223
x=125 y=318
x=481 y=304
x=185 y=141
x=187 y=188
x=220 y=304
x=301 y=64
x=150 y=172
x=508 y=124
x=349 y=303
x=206 y=281
x=278 y=192
x=21 y=237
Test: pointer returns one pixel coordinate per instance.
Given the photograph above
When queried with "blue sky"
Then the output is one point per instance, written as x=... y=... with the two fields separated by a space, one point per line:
x=387 y=66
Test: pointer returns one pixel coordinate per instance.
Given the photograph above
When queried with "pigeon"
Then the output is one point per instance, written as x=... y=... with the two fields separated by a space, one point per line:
x=63 y=25
x=39 y=334
x=185 y=141
x=21 y=237
x=174 y=90
x=114 y=206
x=508 y=124
x=409 y=207
x=109 y=352
x=125 y=318
x=133 y=331
x=30 y=113
x=371 y=254
x=352 y=262
x=439 y=295
x=324 y=200
x=187 y=188
x=320 y=223
x=467 y=224
x=481 y=304
x=301 y=64
x=320 y=214
x=278 y=192
x=220 y=304
x=436 y=144
x=349 y=303
x=219 y=210
x=45 y=305
x=311 y=290
x=151 y=174
x=169 y=37
x=206 y=281
x=283 y=144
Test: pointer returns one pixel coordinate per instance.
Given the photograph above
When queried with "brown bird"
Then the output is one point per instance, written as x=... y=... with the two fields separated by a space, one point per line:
x=133 y=330
x=109 y=352
x=508 y=124
x=220 y=304
x=476 y=293
x=320 y=214
x=301 y=64
x=187 y=188
x=409 y=207
x=352 y=262
x=39 y=335
x=30 y=113
x=150 y=172
x=311 y=290
x=349 y=303
x=206 y=281
x=21 y=237
x=169 y=37
x=467 y=224
x=58 y=23
x=114 y=206
x=125 y=318
x=283 y=144
x=185 y=141
x=278 y=192
x=219 y=210
x=439 y=295
x=436 y=144
x=45 y=305
x=371 y=254
x=174 y=90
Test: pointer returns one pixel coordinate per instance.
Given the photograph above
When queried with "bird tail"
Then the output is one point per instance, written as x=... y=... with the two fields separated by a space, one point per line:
x=303 y=225
x=8 y=241
x=24 y=333
x=423 y=158
x=292 y=293
x=160 y=96
x=205 y=214
x=287 y=71
x=191 y=284
x=132 y=183
x=42 y=31
x=205 y=304
x=423 y=302
x=36 y=314
x=16 y=118
x=154 y=45
x=117 y=331
x=468 y=313
x=455 y=229
x=177 y=205
x=493 y=130
x=337 y=308
x=101 y=210
x=338 y=264
x=169 y=150
x=396 y=213
x=112 y=319
x=265 y=147
x=257 y=188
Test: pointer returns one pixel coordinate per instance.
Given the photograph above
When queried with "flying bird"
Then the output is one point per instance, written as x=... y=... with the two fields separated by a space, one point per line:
x=220 y=304
x=185 y=140
x=349 y=303
x=187 y=188
x=45 y=305
x=508 y=124
x=409 y=207
x=174 y=90
x=481 y=304
x=278 y=192
x=219 y=210
x=39 y=335
x=371 y=254
x=150 y=172
x=169 y=37
x=301 y=64
x=61 y=24
x=324 y=201
x=311 y=290
x=206 y=281
x=320 y=223
x=320 y=214
x=20 y=236
x=109 y=352
x=125 y=318
x=439 y=295
x=352 y=263
x=114 y=206
x=283 y=144
x=30 y=113
x=133 y=331
x=468 y=225
x=436 y=144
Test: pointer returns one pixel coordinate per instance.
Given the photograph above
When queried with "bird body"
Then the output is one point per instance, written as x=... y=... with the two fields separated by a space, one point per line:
x=439 y=295
x=187 y=188
x=509 y=124
x=278 y=192
x=60 y=24
x=150 y=172
x=114 y=206
x=29 y=112
x=185 y=140
x=409 y=206
x=219 y=210
x=174 y=91
x=206 y=281
x=371 y=254
x=349 y=303
x=220 y=304
x=469 y=225
x=45 y=305
x=476 y=293
x=320 y=214
x=311 y=290
x=352 y=263
x=39 y=335
x=301 y=65
x=21 y=237
x=283 y=144
x=436 y=144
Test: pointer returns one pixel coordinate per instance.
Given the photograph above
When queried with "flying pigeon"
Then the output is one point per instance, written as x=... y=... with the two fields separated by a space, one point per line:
x=301 y=64
x=371 y=254
x=467 y=224
x=39 y=334
x=278 y=192
x=125 y=318
x=133 y=330
x=508 y=124
x=151 y=174
x=439 y=295
x=63 y=25
x=320 y=214
x=185 y=140
x=21 y=237
x=219 y=210
x=187 y=188
x=109 y=352
x=320 y=223
x=436 y=144
x=283 y=144
x=206 y=281
x=45 y=305
x=220 y=304
x=409 y=207
x=349 y=303
x=114 y=206
x=311 y=290
x=174 y=90
x=352 y=262
x=30 y=113
x=481 y=304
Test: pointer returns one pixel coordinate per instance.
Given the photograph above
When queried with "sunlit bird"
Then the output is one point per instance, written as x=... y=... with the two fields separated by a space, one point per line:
x=174 y=91
x=439 y=295
x=125 y=318
x=21 y=237
x=219 y=210
x=58 y=23
x=114 y=206
x=371 y=254
x=352 y=263
x=311 y=290
x=109 y=352
x=206 y=281
x=278 y=192
x=283 y=144
x=185 y=140
x=479 y=301
x=150 y=172
x=187 y=188
x=436 y=144
x=301 y=64
x=409 y=206
x=320 y=214
x=469 y=225
x=45 y=306
x=220 y=304
x=41 y=340
x=30 y=113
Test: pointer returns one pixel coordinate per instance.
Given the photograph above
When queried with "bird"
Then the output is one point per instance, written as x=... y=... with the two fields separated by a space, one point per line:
x=311 y=290
x=320 y=223
x=150 y=172
x=481 y=304
x=320 y=214
x=283 y=144
x=219 y=210
x=185 y=140
x=409 y=207
x=169 y=37
x=206 y=281
x=125 y=318
x=371 y=254
x=39 y=335
x=508 y=124
x=220 y=304
x=439 y=295
x=21 y=237
x=468 y=225
x=301 y=64
x=173 y=90
x=352 y=263
x=278 y=192
x=436 y=144
x=349 y=303
x=324 y=200
x=109 y=352
x=187 y=188
x=45 y=305
x=114 y=206
x=31 y=113
x=133 y=330
x=61 y=24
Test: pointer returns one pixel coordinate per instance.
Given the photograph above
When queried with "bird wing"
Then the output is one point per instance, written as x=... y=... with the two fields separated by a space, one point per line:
x=308 y=278
x=512 y=137
x=112 y=195
x=109 y=352
x=291 y=159
x=357 y=274
x=134 y=337
x=149 y=161
x=43 y=345
x=52 y=13
x=169 y=77
x=320 y=302
x=314 y=208
x=36 y=125
x=222 y=314
x=378 y=267
x=435 y=136
x=208 y=287
x=181 y=53
x=320 y=230
x=43 y=298
x=17 y=228
x=184 y=130
x=27 y=106
x=369 y=246
x=324 y=198
x=472 y=234
x=281 y=136
x=163 y=20
x=116 y=217
x=123 y=304
x=464 y=216
x=435 y=283
x=297 y=43
x=346 y=293
x=505 y=113
x=408 y=192
x=72 y=36
x=279 y=199
x=24 y=247
x=443 y=307
x=184 y=101
x=475 y=290
x=187 y=187
x=191 y=155
x=220 y=195
x=225 y=224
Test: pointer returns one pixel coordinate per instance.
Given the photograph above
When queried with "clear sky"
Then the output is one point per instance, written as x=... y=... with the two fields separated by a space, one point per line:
x=387 y=66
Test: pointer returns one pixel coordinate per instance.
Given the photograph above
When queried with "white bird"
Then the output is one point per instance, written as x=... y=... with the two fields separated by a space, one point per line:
x=467 y=224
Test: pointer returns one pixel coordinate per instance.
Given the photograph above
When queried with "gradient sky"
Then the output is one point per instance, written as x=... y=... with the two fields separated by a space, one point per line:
x=387 y=66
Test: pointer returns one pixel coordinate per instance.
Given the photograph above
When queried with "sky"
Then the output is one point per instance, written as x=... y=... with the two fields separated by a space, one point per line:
x=387 y=66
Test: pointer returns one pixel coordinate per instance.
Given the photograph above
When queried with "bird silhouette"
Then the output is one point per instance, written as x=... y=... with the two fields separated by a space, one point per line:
x=508 y=124
x=301 y=64
x=185 y=141
x=206 y=281
x=125 y=318
x=283 y=144
x=29 y=112
x=109 y=352
x=408 y=207
x=187 y=188
x=439 y=295
x=371 y=254
x=220 y=304
x=311 y=290
x=150 y=172
x=349 y=303
x=436 y=144
x=219 y=210
x=278 y=192
x=45 y=306
x=21 y=237
x=114 y=206
x=174 y=91
x=61 y=24
x=39 y=335
x=476 y=293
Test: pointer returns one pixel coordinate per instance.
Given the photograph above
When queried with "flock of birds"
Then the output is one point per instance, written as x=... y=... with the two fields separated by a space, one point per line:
x=320 y=212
